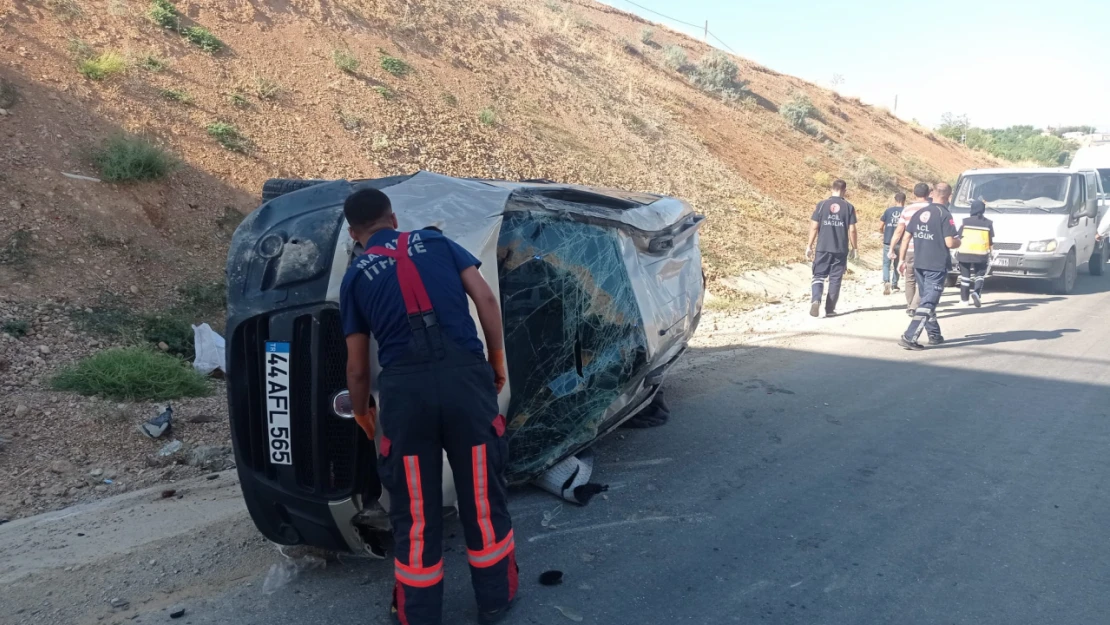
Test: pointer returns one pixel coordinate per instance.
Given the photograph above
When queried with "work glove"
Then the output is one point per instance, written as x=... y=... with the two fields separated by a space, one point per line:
x=497 y=361
x=809 y=253
x=853 y=254
x=367 y=421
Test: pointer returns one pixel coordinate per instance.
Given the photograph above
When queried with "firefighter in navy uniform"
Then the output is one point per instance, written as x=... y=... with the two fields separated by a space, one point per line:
x=934 y=233
x=833 y=229
x=438 y=393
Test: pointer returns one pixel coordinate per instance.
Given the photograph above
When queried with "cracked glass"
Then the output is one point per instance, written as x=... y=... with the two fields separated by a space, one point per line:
x=573 y=332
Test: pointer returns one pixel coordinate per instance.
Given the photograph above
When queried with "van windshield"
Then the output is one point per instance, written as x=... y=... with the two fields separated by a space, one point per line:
x=1017 y=192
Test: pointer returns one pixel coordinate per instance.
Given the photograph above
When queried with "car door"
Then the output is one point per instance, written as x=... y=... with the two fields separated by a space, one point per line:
x=1082 y=223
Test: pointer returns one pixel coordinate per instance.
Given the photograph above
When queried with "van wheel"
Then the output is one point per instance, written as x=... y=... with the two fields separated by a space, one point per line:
x=950 y=280
x=1098 y=260
x=277 y=187
x=1065 y=282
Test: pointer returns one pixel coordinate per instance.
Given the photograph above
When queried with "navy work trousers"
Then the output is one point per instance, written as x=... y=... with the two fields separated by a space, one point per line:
x=930 y=286
x=427 y=408
x=828 y=266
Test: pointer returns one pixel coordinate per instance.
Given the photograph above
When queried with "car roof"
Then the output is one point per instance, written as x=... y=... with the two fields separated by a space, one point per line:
x=1020 y=170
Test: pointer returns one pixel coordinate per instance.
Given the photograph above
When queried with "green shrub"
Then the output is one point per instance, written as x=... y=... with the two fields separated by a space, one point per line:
x=176 y=95
x=124 y=158
x=238 y=100
x=174 y=330
x=203 y=39
x=345 y=61
x=164 y=13
x=384 y=92
x=822 y=180
x=65 y=9
x=266 y=89
x=152 y=63
x=488 y=116
x=102 y=66
x=395 y=66
x=675 y=58
x=717 y=73
x=450 y=99
x=870 y=175
x=133 y=374
x=228 y=136
x=798 y=111
x=646 y=36
x=16 y=327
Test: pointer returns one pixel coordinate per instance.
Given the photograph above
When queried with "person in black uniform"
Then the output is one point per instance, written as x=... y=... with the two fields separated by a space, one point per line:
x=934 y=233
x=438 y=393
x=976 y=238
x=888 y=223
x=834 y=231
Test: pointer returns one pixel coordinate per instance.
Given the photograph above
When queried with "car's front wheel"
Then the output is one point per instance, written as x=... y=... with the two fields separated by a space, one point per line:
x=1065 y=282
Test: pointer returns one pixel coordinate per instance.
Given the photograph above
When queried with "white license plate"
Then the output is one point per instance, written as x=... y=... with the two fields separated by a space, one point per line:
x=277 y=402
x=1002 y=262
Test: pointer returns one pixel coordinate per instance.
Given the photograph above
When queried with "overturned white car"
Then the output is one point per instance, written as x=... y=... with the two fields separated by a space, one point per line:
x=600 y=292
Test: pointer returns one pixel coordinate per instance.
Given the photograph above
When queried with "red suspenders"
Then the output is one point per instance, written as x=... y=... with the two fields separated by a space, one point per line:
x=417 y=303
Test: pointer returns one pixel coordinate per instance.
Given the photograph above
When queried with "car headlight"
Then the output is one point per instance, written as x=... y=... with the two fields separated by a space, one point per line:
x=1048 y=245
x=341 y=405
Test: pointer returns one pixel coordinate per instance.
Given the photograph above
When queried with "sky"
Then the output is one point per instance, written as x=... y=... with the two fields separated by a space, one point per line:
x=1000 y=62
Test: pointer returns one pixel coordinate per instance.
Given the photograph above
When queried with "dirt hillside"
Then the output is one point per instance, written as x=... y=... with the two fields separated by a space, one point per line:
x=571 y=91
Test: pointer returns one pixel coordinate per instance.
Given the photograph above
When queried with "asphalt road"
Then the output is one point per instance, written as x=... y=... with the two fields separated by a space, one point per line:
x=824 y=478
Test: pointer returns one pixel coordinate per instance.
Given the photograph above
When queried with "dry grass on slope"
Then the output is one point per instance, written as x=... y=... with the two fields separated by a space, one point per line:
x=494 y=88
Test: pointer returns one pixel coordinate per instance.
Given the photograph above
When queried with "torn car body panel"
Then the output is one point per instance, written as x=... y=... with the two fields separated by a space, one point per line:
x=600 y=289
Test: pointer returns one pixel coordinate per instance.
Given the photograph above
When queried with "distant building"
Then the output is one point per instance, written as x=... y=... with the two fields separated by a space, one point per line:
x=1088 y=140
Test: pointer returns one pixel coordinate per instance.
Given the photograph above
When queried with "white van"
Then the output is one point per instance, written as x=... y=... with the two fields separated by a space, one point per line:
x=1097 y=158
x=1045 y=221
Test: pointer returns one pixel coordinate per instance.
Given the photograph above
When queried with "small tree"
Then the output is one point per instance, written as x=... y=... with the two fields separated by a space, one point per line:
x=646 y=36
x=675 y=58
x=798 y=111
x=953 y=126
x=718 y=74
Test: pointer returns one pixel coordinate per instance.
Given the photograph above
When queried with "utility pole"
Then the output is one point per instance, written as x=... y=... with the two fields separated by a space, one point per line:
x=896 y=104
x=706 y=37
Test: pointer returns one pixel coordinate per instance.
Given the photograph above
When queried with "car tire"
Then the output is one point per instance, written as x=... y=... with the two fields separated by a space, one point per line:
x=950 y=280
x=1065 y=282
x=1097 y=264
x=277 y=187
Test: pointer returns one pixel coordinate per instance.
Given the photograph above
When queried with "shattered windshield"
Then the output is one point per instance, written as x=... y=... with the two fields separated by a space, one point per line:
x=1017 y=192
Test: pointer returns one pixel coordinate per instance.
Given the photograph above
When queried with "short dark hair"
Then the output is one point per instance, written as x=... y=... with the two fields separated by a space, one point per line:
x=839 y=185
x=943 y=188
x=921 y=189
x=900 y=197
x=366 y=207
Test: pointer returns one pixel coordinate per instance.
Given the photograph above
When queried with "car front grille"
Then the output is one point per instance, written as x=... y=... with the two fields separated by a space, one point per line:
x=1006 y=247
x=325 y=446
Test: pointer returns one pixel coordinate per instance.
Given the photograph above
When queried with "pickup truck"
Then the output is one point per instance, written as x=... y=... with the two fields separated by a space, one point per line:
x=1045 y=221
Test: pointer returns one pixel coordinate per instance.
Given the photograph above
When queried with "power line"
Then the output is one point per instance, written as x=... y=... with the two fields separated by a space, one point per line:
x=721 y=42
x=684 y=23
x=673 y=19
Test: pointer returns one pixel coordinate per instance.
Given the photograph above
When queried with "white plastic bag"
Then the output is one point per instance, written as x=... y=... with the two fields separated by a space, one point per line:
x=209 y=347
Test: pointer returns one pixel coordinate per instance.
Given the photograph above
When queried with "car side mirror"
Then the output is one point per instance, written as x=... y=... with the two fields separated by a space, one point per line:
x=1092 y=209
